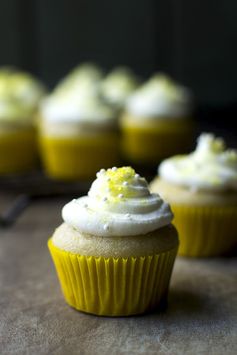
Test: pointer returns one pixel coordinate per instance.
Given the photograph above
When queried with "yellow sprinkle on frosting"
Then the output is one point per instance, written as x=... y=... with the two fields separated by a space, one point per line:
x=119 y=175
x=117 y=184
x=116 y=179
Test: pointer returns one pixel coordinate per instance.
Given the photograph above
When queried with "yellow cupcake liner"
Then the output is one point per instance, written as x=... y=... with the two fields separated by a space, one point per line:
x=155 y=142
x=81 y=157
x=18 y=151
x=205 y=231
x=113 y=286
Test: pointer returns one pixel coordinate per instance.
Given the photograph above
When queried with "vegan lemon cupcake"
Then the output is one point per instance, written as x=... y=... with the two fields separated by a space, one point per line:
x=202 y=190
x=20 y=94
x=118 y=86
x=157 y=121
x=115 y=251
x=78 y=133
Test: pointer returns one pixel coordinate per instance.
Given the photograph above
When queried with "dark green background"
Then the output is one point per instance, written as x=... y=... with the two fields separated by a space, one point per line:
x=195 y=41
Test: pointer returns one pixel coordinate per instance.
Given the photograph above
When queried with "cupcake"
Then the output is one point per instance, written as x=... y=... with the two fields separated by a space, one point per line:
x=115 y=251
x=118 y=86
x=202 y=190
x=78 y=133
x=20 y=94
x=157 y=121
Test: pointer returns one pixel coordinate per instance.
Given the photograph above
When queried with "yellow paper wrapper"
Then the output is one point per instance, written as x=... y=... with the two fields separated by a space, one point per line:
x=82 y=157
x=18 y=151
x=113 y=286
x=156 y=142
x=205 y=231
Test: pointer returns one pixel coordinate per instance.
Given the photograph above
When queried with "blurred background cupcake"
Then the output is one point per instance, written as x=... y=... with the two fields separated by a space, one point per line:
x=20 y=94
x=78 y=130
x=117 y=87
x=202 y=190
x=158 y=121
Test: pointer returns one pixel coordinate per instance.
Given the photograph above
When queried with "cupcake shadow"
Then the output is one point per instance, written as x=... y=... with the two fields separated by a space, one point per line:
x=185 y=302
x=180 y=303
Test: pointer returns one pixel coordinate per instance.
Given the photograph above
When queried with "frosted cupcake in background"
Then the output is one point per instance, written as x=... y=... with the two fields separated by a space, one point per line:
x=118 y=86
x=115 y=251
x=202 y=190
x=85 y=74
x=20 y=94
x=157 y=121
x=78 y=132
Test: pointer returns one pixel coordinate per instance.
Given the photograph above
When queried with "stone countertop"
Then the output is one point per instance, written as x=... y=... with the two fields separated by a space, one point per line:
x=201 y=317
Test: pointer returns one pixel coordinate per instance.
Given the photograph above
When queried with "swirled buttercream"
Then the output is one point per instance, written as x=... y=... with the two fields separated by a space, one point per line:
x=81 y=106
x=118 y=86
x=20 y=94
x=85 y=75
x=210 y=167
x=119 y=203
x=160 y=97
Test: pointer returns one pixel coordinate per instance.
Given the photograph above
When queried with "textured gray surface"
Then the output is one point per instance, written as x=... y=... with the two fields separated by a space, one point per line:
x=201 y=317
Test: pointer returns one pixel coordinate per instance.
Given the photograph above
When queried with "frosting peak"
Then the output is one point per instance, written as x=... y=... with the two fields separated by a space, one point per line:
x=208 y=144
x=77 y=100
x=20 y=94
x=119 y=188
x=160 y=97
x=81 y=107
x=211 y=166
x=119 y=203
x=118 y=86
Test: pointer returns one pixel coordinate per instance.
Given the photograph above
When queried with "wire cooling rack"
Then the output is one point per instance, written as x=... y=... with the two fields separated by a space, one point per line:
x=30 y=187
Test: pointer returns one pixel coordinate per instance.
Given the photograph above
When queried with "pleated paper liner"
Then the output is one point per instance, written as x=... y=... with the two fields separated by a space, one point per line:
x=82 y=157
x=18 y=151
x=155 y=142
x=113 y=286
x=205 y=231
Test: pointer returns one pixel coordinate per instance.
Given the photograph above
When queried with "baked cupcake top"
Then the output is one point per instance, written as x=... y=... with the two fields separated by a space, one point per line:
x=160 y=97
x=20 y=94
x=210 y=167
x=118 y=203
x=118 y=85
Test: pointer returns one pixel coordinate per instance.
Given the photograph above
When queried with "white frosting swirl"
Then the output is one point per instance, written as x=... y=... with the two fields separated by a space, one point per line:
x=13 y=112
x=160 y=97
x=76 y=100
x=210 y=167
x=118 y=204
x=118 y=86
x=86 y=74
x=20 y=94
x=81 y=106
